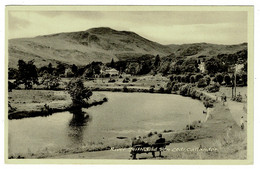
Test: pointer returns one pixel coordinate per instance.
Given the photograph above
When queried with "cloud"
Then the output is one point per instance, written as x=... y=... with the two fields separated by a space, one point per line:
x=160 y=26
x=15 y=23
x=77 y=14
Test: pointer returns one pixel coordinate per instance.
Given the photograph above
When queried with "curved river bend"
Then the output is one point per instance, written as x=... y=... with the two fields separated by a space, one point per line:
x=124 y=115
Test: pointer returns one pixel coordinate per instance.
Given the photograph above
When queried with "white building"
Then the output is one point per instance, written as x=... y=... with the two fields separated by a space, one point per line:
x=202 y=67
x=111 y=72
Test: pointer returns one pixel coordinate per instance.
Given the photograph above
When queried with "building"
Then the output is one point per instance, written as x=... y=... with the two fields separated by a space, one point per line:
x=202 y=67
x=110 y=72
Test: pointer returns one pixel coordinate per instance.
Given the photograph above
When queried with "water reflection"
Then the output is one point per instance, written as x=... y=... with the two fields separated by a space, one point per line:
x=77 y=126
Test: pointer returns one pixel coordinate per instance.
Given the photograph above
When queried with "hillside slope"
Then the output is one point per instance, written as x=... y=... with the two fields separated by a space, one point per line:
x=103 y=44
x=80 y=48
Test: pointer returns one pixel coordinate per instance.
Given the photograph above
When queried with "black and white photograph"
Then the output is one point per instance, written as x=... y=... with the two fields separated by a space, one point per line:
x=129 y=83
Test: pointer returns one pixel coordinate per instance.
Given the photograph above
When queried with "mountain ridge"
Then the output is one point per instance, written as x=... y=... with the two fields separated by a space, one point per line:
x=101 y=44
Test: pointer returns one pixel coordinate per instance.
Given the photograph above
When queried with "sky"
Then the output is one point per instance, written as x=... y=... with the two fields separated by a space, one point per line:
x=165 y=27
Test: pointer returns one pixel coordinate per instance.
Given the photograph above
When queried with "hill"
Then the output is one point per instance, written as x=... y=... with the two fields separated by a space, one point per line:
x=80 y=48
x=103 y=44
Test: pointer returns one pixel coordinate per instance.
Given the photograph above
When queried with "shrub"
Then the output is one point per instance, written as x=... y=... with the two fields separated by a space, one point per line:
x=207 y=78
x=219 y=78
x=183 y=79
x=213 y=88
x=192 y=79
x=227 y=79
x=50 y=80
x=151 y=90
x=202 y=83
x=208 y=103
x=111 y=80
x=161 y=90
x=198 y=77
x=244 y=79
x=11 y=86
x=134 y=80
x=125 y=89
x=187 y=78
x=125 y=80
x=184 y=90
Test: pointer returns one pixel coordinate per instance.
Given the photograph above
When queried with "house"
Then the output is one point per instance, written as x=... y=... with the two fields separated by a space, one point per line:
x=202 y=67
x=109 y=72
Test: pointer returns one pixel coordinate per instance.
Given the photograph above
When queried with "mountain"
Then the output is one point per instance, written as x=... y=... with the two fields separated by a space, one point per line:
x=81 y=48
x=102 y=44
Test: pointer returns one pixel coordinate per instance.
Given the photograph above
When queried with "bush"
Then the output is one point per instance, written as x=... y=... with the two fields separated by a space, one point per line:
x=50 y=80
x=219 y=78
x=192 y=79
x=111 y=80
x=227 y=79
x=125 y=89
x=11 y=86
x=161 y=90
x=198 y=77
x=151 y=90
x=208 y=103
x=125 y=80
x=202 y=83
x=185 y=90
x=213 y=88
x=134 y=80
x=207 y=78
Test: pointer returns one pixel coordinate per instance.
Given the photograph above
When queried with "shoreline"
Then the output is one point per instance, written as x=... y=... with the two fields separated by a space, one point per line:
x=214 y=133
x=50 y=107
x=205 y=132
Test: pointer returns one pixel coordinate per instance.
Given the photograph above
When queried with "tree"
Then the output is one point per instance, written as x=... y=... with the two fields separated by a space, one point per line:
x=50 y=68
x=227 y=79
x=112 y=63
x=219 y=78
x=78 y=92
x=61 y=69
x=207 y=78
x=213 y=66
x=74 y=70
x=27 y=74
x=202 y=82
x=192 y=79
x=157 y=61
x=51 y=81
x=198 y=77
x=244 y=79
x=12 y=73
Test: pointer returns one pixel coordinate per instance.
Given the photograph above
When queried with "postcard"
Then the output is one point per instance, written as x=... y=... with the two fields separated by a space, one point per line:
x=129 y=85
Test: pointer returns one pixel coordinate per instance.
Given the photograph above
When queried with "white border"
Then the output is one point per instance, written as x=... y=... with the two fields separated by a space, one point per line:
x=133 y=2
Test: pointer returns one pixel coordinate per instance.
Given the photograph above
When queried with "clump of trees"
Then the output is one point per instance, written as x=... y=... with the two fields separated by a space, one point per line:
x=50 y=80
x=26 y=74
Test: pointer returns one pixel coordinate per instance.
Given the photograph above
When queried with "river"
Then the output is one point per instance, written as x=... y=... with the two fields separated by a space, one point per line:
x=124 y=115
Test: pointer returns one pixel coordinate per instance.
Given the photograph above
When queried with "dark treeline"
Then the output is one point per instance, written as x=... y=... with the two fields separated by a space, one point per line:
x=219 y=69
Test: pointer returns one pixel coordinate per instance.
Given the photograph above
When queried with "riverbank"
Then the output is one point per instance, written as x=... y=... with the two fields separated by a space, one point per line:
x=220 y=130
x=32 y=103
x=218 y=138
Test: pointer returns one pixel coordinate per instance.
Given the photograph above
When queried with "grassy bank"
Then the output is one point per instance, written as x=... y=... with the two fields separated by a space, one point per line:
x=218 y=138
x=32 y=103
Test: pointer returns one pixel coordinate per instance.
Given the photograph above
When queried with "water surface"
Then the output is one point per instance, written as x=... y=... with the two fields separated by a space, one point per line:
x=124 y=115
